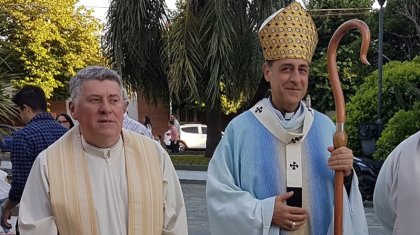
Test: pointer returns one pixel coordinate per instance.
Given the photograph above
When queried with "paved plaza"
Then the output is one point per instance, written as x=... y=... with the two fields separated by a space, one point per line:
x=195 y=199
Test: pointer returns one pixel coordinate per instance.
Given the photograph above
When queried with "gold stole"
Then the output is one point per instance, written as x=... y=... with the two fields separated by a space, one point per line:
x=71 y=194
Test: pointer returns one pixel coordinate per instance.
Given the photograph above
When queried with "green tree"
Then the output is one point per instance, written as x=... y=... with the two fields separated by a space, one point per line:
x=134 y=44
x=402 y=125
x=401 y=81
x=215 y=48
x=328 y=16
x=52 y=40
x=401 y=32
x=208 y=43
x=7 y=111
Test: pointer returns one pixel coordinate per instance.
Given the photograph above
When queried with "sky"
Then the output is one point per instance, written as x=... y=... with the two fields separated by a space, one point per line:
x=100 y=7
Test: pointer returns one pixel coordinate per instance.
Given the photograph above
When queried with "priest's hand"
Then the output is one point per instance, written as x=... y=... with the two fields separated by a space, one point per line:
x=341 y=159
x=287 y=217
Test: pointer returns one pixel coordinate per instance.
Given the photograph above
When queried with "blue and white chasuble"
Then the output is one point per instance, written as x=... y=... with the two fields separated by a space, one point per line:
x=248 y=170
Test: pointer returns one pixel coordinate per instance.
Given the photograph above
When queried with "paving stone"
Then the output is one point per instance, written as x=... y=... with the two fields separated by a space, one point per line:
x=195 y=200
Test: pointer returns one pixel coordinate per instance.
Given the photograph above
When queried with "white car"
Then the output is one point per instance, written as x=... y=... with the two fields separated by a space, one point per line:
x=193 y=136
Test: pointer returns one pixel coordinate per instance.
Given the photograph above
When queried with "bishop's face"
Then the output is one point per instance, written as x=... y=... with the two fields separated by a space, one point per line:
x=288 y=80
x=99 y=110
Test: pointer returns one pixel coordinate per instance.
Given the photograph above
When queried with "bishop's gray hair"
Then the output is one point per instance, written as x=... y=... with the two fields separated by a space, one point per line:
x=98 y=73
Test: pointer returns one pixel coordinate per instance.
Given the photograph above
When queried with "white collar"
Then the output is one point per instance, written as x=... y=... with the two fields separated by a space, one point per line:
x=102 y=152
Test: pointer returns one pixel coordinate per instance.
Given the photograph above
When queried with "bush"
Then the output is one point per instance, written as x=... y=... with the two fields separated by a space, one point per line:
x=402 y=125
x=400 y=88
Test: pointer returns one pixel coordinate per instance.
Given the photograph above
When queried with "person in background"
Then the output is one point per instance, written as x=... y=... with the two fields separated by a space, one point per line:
x=132 y=124
x=273 y=170
x=147 y=123
x=41 y=131
x=158 y=138
x=4 y=193
x=174 y=146
x=396 y=198
x=65 y=120
x=176 y=123
x=4 y=187
x=100 y=178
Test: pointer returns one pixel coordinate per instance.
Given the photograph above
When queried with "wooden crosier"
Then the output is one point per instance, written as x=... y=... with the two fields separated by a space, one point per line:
x=340 y=137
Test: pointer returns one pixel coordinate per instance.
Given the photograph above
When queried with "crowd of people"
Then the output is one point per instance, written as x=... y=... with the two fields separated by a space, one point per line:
x=95 y=170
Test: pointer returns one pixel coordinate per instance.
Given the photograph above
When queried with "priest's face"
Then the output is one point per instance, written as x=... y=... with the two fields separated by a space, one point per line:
x=99 y=108
x=288 y=80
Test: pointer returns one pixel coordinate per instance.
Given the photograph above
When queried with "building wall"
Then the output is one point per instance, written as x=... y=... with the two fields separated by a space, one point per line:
x=159 y=115
x=57 y=107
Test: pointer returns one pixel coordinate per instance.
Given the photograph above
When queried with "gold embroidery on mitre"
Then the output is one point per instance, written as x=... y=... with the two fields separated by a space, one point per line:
x=288 y=34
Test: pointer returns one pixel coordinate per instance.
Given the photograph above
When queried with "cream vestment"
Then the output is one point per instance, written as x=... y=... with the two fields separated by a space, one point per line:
x=117 y=207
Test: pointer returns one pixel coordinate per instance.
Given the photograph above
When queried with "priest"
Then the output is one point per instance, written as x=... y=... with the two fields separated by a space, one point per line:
x=100 y=179
x=397 y=196
x=273 y=171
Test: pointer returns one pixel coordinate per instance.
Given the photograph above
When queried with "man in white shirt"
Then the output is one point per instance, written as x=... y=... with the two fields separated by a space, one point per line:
x=176 y=123
x=131 y=124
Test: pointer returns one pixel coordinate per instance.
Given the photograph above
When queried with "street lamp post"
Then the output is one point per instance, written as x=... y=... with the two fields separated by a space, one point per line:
x=379 y=121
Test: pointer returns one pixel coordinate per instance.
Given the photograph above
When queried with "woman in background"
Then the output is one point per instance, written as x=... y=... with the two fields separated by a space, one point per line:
x=65 y=120
x=147 y=123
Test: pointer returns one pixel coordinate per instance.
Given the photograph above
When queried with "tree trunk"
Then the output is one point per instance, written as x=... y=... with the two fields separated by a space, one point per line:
x=214 y=126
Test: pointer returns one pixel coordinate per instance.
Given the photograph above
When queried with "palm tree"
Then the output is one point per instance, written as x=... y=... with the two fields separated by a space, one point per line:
x=8 y=113
x=133 y=42
x=209 y=43
x=215 y=42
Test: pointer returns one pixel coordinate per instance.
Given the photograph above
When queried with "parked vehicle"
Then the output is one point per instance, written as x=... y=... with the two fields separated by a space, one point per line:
x=193 y=136
x=6 y=137
x=367 y=171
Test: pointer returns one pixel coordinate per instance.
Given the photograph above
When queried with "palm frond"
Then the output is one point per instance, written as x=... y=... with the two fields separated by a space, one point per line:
x=185 y=54
x=217 y=32
x=246 y=58
x=8 y=112
x=134 y=43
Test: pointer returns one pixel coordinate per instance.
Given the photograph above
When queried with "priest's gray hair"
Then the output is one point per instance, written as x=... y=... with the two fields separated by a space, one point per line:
x=98 y=73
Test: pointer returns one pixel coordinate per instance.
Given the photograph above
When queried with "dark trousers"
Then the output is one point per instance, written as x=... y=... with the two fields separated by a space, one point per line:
x=174 y=146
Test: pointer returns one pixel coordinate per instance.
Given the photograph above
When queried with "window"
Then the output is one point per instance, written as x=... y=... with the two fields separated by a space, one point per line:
x=190 y=129
x=204 y=130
